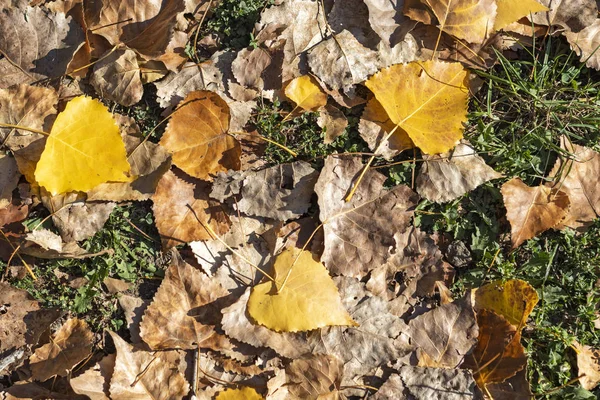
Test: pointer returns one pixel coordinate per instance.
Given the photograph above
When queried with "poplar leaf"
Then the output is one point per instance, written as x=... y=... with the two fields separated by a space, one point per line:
x=510 y=11
x=470 y=20
x=306 y=93
x=513 y=299
x=245 y=392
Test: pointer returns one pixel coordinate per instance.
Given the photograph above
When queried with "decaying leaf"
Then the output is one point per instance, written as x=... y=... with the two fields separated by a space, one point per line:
x=513 y=299
x=192 y=77
x=445 y=177
x=588 y=364
x=249 y=65
x=532 y=210
x=412 y=93
x=71 y=344
x=95 y=382
x=315 y=377
x=585 y=43
x=515 y=388
x=9 y=178
x=573 y=16
x=197 y=136
x=359 y=233
x=303 y=296
x=333 y=120
x=117 y=77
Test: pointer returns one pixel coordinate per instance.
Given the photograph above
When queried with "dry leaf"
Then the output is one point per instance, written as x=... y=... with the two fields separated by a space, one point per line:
x=303 y=296
x=573 y=16
x=95 y=382
x=9 y=178
x=532 y=210
x=249 y=65
x=513 y=299
x=333 y=121
x=197 y=136
x=306 y=93
x=515 y=388
x=315 y=377
x=180 y=208
x=359 y=233
x=71 y=344
x=117 y=77
x=133 y=308
x=444 y=335
x=412 y=93
x=510 y=11
x=192 y=77
x=588 y=364
x=445 y=177
x=144 y=375
x=115 y=286
x=246 y=393
x=585 y=43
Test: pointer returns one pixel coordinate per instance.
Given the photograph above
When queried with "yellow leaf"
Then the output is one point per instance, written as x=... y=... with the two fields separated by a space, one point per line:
x=306 y=93
x=510 y=11
x=245 y=393
x=84 y=149
x=308 y=300
x=427 y=100
x=513 y=299
x=470 y=20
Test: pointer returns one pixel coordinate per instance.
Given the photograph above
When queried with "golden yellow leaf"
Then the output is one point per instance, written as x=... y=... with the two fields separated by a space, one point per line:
x=513 y=299
x=308 y=300
x=470 y=20
x=306 y=93
x=428 y=100
x=510 y=11
x=84 y=149
x=245 y=393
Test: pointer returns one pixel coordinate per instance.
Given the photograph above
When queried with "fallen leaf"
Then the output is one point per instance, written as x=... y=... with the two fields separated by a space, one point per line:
x=117 y=77
x=98 y=159
x=306 y=93
x=510 y=11
x=307 y=300
x=43 y=243
x=515 y=388
x=532 y=210
x=585 y=44
x=249 y=65
x=70 y=345
x=315 y=377
x=144 y=375
x=513 y=299
x=197 y=136
x=387 y=20
x=31 y=390
x=95 y=382
x=333 y=121
x=167 y=323
x=444 y=335
x=9 y=178
x=359 y=234
x=569 y=15
x=181 y=207
x=573 y=178
x=133 y=308
x=246 y=393
x=411 y=93
x=588 y=365
x=115 y=286
x=445 y=177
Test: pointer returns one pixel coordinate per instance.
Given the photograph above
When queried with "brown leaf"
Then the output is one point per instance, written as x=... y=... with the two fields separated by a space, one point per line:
x=43 y=243
x=447 y=176
x=249 y=65
x=14 y=212
x=116 y=77
x=197 y=136
x=192 y=77
x=515 y=388
x=585 y=43
x=359 y=233
x=444 y=335
x=71 y=344
x=184 y=294
x=573 y=16
x=9 y=178
x=180 y=208
x=588 y=364
x=532 y=210
x=115 y=286
x=95 y=382
x=333 y=121
x=133 y=308
x=315 y=377
x=144 y=375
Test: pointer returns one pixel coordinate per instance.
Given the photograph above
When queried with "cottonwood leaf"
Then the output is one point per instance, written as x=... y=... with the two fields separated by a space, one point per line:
x=447 y=176
x=386 y=18
x=333 y=121
x=515 y=388
x=86 y=135
x=510 y=11
x=499 y=354
x=246 y=393
x=9 y=178
x=585 y=44
x=43 y=243
x=249 y=65
x=308 y=300
x=197 y=136
x=181 y=207
x=429 y=384
x=170 y=322
x=117 y=77
x=192 y=77
x=144 y=375
x=513 y=299
x=573 y=175
x=572 y=16
x=133 y=308
x=588 y=365
x=70 y=345
x=306 y=93
x=532 y=210
x=95 y=382
x=315 y=377
x=36 y=44
x=359 y=234
x=412 y=93
x=444 y=335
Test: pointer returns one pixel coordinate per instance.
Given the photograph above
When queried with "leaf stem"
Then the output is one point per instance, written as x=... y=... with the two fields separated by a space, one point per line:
x=292 y=152
x=3 y=125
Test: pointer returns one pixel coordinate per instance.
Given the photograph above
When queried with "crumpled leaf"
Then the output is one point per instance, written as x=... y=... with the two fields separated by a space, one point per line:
x=246 y=393
x=95 y=382
x=169 y=321
x=174 y=201
x=532 y=210
x=386 y=18
x=36 y=44
x=133 y=308
x=411 y=93
x=572 y=16
x=509 y=11
x=9 y=178
x=160 y=379
x=315 y=377
x=197 y=136
x=117 y=77
x=192 y=77
x=281 y=192
x=429 y=384
x=573 y=176
x=588 y=365
x=308 y=300
x=333 y=121
x=306 y=93
x=43 y=243
x=513 y=299
x=585 y=43
x=249 y=65
x=97 y=159
x=445 y=177
x=71 y=344
x=359 y=233
x=444 y=335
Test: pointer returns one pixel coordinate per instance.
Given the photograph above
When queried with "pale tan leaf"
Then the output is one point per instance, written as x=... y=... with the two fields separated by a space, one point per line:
x=249 y=65
x=116 y=77
x=333 y=121
x=133 y=308
x=588 y=364
x=192 y=77
x=315 y=377
x=573 y=16
x=95 y=382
